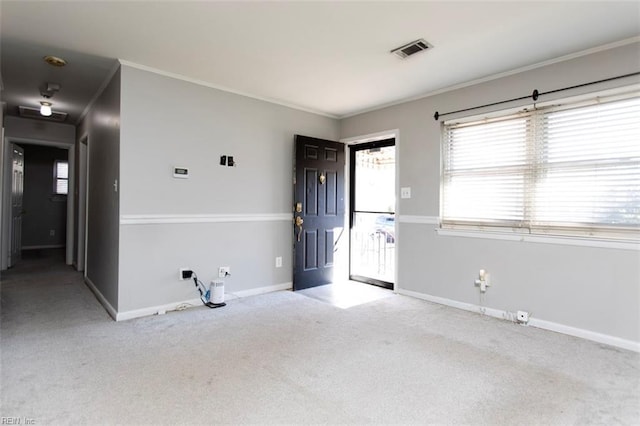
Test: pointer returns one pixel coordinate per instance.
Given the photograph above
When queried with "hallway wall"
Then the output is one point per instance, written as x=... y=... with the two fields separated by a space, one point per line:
x=44 y=222
x=102 y=125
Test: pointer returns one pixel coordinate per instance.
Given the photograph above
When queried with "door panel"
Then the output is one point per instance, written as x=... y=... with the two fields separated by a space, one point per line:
x=319 y=186
x=328 y=247
x=311 y=193
x=17 y=190
x=331 y=194
x=310 y=250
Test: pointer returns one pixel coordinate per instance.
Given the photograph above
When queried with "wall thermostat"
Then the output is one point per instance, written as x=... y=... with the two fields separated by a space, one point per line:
x=180 y=172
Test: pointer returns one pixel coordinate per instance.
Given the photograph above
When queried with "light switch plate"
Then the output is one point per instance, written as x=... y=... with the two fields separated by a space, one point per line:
x=405 y=192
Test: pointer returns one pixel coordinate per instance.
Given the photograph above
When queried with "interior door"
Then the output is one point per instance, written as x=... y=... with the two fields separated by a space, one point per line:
x=318 y=209
x=17 y=190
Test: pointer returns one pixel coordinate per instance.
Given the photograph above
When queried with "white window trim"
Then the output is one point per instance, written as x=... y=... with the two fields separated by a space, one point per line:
x=517 y=236
x=544 y=239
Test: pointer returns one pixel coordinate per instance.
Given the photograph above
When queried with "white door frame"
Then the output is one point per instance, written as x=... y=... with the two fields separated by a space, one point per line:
x=83 y=202
x=372 y=137
x=5 y=190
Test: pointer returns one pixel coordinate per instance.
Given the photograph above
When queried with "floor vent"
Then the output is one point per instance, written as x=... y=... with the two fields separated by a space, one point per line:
x=28 y=112
x=411 y=48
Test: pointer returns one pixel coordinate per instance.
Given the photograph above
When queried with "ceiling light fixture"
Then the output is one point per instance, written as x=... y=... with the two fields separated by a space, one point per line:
x=45 y=109
x=55 y=61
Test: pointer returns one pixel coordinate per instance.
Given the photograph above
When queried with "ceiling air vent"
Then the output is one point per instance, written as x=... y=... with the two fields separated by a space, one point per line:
x=411 y=48
x=28 y=112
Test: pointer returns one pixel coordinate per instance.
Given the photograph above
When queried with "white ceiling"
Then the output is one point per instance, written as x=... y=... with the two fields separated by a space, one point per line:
x=328 y=57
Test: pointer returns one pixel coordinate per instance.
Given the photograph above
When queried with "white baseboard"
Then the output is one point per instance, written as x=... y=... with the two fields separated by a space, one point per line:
x=263 y=290
x=50 y=246
x=533 y=322
x=103 y=300
x=153 y=310
x=586 y=334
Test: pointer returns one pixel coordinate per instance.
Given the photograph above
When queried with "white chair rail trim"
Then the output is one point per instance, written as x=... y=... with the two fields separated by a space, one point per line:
x=153 y=219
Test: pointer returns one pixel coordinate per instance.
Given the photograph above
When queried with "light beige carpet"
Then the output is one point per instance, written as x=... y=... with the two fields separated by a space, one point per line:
x=290 y=359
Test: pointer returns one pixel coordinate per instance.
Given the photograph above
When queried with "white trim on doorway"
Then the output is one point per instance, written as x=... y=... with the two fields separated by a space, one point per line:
x=5 y=190
x=83 y=199
x=372 y=137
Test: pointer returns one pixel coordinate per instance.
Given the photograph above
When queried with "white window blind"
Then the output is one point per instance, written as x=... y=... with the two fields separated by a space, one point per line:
x=61 y=177
x=572 y=169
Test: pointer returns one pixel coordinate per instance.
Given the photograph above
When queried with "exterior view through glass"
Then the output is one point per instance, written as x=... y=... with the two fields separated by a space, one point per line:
x=373 y=175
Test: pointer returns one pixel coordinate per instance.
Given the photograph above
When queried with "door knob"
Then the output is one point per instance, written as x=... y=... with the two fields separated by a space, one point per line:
x=299 y=221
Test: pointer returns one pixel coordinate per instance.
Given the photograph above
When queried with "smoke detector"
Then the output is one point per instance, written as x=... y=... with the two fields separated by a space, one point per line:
x=412 y=48
x=49 y=89
x=55 y=61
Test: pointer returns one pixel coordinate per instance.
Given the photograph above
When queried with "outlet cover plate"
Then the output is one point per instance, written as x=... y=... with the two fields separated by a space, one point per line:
x=180 y=273
x=224 y=271
x=523 y=316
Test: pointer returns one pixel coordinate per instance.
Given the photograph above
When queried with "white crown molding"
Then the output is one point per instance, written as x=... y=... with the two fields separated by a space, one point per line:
x=533 y=322
x=222 y=88
x=492 y=77
x=155 y=219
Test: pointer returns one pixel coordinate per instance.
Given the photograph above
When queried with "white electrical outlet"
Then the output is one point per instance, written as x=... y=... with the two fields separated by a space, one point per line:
x=180 y=271
x=483 y=280
x=522 y=316
x=224 y=271
x=405 y=192
x=279 y=262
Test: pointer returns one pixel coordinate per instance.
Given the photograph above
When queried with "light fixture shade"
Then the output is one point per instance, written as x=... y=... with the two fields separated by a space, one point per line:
x=45 y=109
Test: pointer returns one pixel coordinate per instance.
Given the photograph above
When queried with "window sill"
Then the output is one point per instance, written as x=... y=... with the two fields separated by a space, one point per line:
x=544 y=239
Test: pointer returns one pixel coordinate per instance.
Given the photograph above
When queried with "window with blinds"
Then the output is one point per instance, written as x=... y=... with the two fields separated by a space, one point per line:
x=60 y=177
x=563 y=170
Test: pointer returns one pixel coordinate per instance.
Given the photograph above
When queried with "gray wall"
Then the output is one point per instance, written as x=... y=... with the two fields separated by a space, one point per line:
x=39 y=130
x=168 y=122
x=596 y=289
x=102 y=125
x=45 y=212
